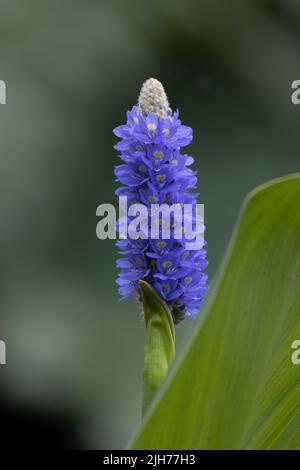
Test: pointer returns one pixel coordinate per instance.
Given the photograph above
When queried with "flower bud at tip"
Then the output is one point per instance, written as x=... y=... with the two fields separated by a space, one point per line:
x=153 y=99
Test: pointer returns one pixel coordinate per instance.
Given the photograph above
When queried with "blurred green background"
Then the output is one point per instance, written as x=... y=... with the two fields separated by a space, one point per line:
x=72 y=69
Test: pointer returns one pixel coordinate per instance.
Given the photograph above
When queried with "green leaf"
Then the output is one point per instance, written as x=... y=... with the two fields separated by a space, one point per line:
x=160 y=342
x=236 y=386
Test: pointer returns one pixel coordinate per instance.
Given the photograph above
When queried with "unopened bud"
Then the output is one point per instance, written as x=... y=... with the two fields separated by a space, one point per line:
x=153 y=99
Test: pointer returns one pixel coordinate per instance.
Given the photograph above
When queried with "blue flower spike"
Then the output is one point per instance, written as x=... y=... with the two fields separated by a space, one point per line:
x=155 y=171
x=159 y=266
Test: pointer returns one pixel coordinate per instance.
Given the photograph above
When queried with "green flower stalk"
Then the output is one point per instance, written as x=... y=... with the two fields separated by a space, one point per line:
x=160 y=342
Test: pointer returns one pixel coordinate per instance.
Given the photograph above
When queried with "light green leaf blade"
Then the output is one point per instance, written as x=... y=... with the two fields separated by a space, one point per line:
x=236 y=386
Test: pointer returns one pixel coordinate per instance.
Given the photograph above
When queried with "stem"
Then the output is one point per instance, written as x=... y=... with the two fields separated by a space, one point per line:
x=159 y=345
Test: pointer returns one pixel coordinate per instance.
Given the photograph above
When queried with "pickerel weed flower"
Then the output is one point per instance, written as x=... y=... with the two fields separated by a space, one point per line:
x=154 y=171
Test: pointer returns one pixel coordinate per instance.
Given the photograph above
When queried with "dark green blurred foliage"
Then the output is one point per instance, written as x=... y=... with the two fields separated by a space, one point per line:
x=72 y=69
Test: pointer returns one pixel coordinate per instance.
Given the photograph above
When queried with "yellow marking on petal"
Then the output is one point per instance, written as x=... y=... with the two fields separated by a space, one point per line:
x=165 y=286
x=161 y=244
x=136 y=120
x=143 y=168
x=161 y=177
x=166 y=131
x=151 y=127
x=158 y=154
x=153 y=199
x=167 y=264
x=174 y=162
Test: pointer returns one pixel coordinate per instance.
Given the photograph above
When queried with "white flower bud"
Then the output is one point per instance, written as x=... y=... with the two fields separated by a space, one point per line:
x=153 y=99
